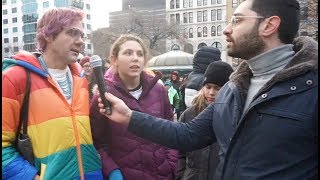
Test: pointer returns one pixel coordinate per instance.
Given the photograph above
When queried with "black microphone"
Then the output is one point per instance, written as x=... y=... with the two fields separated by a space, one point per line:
x=96 y=64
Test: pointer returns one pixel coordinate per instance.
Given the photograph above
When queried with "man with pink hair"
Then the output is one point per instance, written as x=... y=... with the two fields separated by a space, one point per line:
x=58 y=120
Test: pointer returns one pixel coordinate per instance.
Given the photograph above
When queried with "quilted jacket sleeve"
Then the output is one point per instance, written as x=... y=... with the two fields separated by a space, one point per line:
x=98 y=121
x=172 y=154
x=13 y=165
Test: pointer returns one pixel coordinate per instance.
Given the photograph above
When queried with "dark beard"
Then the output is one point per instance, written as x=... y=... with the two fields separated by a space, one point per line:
x=248 y=46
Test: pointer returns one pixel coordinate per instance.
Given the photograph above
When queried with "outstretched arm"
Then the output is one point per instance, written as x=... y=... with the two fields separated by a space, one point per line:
x=190 y=136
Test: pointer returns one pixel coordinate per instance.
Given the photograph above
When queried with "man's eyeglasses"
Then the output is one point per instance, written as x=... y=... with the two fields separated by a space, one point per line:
x=236 y=19
x=76 y=33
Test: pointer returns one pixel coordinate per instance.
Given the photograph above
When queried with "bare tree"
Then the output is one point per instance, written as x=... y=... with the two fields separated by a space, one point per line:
x=151 y=26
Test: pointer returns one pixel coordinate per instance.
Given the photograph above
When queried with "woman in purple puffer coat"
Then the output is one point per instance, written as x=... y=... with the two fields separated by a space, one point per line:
x=122 y=153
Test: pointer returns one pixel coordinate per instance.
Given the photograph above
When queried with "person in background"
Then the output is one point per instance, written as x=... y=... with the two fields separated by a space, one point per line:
x=58 y=120
x=87 y=72
x=120 y=150
x=173 y=95
x=201 y=164
x=175 y=80
x=202 y=58
x=265 y=118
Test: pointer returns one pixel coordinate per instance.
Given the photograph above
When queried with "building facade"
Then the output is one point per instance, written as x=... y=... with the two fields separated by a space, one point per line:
x=19 y=22
x=201 y=23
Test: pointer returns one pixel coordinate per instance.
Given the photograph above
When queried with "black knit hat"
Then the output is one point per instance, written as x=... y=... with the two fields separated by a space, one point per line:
x=218 y=73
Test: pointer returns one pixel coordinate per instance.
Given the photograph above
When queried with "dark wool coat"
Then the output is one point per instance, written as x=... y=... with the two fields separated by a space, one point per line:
x=276 y=138
x=199 y=164
x=135 y=157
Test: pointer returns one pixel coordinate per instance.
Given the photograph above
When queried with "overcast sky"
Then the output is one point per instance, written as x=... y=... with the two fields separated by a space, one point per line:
x=100 y=12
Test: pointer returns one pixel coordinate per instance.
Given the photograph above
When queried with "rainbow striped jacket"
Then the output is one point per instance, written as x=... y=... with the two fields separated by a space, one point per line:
x=60 y=133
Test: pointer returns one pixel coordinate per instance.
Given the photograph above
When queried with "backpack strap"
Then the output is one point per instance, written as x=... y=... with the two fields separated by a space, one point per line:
x=24 y=111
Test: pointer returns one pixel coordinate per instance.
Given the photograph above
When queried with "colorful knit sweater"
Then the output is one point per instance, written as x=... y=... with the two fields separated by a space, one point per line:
x=60 y=134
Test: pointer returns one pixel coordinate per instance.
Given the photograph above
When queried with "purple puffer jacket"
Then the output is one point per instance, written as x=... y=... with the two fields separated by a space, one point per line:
x=135 y=157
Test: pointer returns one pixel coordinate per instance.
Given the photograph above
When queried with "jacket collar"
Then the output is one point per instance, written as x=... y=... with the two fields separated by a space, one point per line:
x=304 y=60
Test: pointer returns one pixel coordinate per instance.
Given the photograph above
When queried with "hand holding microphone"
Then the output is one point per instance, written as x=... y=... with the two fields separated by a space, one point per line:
x=96 y=64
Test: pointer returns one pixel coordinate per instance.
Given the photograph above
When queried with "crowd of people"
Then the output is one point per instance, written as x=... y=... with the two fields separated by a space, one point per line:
x=258 y=121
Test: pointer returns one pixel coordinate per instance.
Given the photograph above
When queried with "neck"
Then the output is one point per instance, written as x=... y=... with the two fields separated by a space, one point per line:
x=130 y=83
x=52 y=61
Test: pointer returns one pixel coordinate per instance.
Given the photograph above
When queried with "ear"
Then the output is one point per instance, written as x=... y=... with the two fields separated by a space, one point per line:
x=113 y=60
x=271 y=25
x=48 y=39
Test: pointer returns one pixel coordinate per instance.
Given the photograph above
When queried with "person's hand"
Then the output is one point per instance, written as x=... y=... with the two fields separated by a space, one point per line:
x=120 y=111
x=37 y=177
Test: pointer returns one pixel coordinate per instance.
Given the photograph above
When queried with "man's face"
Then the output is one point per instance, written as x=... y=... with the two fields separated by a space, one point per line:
x=67 y=45
x=242 y=36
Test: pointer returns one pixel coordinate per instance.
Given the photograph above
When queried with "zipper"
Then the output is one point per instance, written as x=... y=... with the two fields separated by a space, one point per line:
x=75 y=127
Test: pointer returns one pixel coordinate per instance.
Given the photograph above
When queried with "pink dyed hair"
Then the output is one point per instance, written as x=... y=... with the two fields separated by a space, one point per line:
x=53 y=22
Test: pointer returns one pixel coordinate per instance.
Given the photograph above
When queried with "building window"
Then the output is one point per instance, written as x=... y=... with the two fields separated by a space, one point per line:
x=13 y=1
x=234 y=3
x=185 y=2
x=185 y=33
x=45 y=4
x=213 y=15
x=219 y=1
x=201 y=45
x=190 y=17
x=213 y=1
x=4 y=12
x=185 y=18
x=88 y=26
x=15 y=39
x=213 y=31
x=5 y=31
x=199 y=16
x=88 y=16
x=6 y=50
x=88 y=46
x=177 y=3
x=205 y=16
x=29 y=38
x=172 y=18
x=15 y=49
x=217 y=45
x=30 y=8
x=171 y=4
x=199 y=31
x=29 y=18
x=4 y=2
x=5 y=21
x=178 y=18
x=14 y=20
x=14 y=29
x=219 y=30
x=205 y=2
x=205 y=31
x=29 y=47
x=190 y=33
x=190 y=3
x=14 y=10
x=60 y=3
x=219 y=14
x=29 y=28
x=6 y=40
x=199 y=2
x=88 y=6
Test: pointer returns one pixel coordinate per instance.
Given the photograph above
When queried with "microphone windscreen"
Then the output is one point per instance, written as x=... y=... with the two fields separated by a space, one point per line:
x=95 y=61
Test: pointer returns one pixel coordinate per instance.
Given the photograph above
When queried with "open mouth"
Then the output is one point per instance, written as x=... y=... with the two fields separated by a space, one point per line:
x=134 y=67
x=75 y=50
